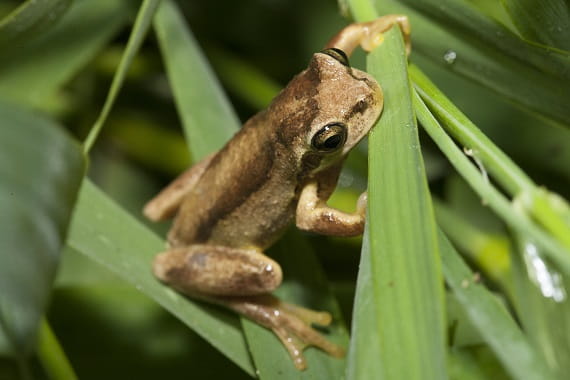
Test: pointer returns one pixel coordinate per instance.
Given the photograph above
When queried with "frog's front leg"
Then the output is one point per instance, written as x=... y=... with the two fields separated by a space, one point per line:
x=314 y=215
x=241 y=279
x=369 y=35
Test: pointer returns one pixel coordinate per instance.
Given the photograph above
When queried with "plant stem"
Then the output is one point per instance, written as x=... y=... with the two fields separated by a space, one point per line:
x=498 y=203
x=538 y=202
x=52 y=356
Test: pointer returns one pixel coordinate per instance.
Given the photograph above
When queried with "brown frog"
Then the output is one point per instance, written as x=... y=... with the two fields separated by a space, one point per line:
x=282 y=165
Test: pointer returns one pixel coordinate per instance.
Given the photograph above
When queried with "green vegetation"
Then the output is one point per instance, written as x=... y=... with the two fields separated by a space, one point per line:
x=465 y=263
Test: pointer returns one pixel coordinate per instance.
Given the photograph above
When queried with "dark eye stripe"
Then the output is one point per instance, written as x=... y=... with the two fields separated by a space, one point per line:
x=337 y=54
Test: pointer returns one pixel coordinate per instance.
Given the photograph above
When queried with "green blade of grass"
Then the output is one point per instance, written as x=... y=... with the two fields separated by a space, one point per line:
x=29 y=18
x=364 y=347
x=496 y=201
x=548 y=209
x=104 y=232
x=546 y=22
x=405 y=262
x=207 y=116
x=542 y=305
x=40 y=66
x=491 y=318
x=138 y=33
x=41 y=169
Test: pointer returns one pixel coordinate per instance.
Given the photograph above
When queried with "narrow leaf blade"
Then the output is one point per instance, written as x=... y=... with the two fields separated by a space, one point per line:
x=107 y=234
x=404 y=253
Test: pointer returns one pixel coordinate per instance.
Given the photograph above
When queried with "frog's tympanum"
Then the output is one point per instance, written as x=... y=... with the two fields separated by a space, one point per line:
x=281 y=166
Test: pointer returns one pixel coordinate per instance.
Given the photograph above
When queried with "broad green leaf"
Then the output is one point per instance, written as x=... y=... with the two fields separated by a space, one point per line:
x=546 y=22
x=460 y=15
x=39 y=67
x=514 y=77
x=305 y=285
x=138 y=34
x=207 y=116
x=40 y=170
x=495 y=325
x=364 y=347
x=31 y=17
x=104 y=232
x=404 y=253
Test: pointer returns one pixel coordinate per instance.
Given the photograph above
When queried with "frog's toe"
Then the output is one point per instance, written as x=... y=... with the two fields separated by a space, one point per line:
x=291 y=324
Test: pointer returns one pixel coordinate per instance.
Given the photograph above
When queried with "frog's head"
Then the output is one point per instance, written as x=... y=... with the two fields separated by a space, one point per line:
x=326 y=110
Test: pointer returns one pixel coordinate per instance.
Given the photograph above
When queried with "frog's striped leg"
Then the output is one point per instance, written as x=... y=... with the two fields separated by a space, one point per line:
x=166 y=203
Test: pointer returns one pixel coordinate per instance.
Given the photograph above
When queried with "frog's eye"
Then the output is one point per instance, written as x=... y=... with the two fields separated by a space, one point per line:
x=330 y=138
x=337 y=54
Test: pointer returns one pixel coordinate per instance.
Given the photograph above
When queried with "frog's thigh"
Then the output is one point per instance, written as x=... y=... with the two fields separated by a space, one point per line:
x=210 y=270
x=166 y=203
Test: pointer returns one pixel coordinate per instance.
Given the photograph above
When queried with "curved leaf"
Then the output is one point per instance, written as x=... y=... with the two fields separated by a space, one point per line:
x=40 y=170
x=536 y=79
x=38 y=67
x=547 y=22
x=31 y=17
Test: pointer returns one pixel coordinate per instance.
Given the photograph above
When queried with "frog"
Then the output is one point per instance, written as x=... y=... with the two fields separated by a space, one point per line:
x=281 y=166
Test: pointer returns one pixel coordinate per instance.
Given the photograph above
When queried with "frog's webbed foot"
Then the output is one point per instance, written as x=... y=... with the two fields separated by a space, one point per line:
x=291 y=324
x=369 y=35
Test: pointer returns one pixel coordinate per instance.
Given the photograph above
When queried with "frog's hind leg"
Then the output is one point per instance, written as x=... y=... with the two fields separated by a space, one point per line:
x=291 y=324
x=166 y=203
x=241 y=280
x=208 y=270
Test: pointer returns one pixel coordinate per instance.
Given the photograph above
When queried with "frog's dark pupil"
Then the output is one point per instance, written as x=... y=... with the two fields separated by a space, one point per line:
x=332 y=142
x=337 y=54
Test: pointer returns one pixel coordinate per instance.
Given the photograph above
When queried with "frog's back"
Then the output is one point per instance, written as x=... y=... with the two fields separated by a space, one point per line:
x=245 y=198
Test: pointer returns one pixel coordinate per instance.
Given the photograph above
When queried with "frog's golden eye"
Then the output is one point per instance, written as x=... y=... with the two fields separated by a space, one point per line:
x=337 y=54
x=330 y=138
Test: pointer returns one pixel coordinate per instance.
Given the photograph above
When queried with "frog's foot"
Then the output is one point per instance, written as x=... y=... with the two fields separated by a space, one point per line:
x=291 y=324
x=369 y=35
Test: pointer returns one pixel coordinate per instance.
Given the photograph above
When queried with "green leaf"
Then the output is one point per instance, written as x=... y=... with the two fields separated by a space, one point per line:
x=104 y=232
x=138 y=34
x=41 y=169
x=491 y=318
x=365 y=340
x=481 y=185
x=207 y=116
x=38 y=67
x=30 y=18
x=405 y=261
x=305 y=285
x=546 y=22
x=534 y=77
x=540 y=300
